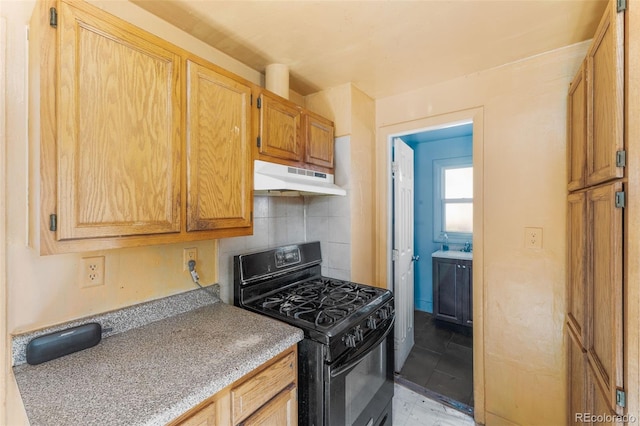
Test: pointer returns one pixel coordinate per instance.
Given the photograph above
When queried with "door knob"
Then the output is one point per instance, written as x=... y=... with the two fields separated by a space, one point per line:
x=415 y=258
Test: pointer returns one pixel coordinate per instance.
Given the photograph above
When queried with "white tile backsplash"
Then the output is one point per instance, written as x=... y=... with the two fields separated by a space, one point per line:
x=317 y=206
x=339 y=256
x=318 y=228
x=340 y=229
x=260 y=206
x=279 y=221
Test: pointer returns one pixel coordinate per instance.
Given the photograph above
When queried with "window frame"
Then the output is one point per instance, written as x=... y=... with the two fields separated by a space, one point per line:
x=439 y=168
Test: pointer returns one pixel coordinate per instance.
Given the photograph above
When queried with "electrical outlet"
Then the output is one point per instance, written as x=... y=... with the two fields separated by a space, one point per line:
x=92 y=271
x=533 y=238
x=187 y=255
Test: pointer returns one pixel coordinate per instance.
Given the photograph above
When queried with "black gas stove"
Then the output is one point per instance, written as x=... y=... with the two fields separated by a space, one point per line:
x=348 y=328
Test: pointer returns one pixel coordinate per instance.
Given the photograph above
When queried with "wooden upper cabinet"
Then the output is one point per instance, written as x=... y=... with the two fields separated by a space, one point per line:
x=140 y=142
x=219 y=164
x=319 y=141
x=278 y=128
x=577 y=130
x=119 y=137
x=605 y=344
x=605 y=80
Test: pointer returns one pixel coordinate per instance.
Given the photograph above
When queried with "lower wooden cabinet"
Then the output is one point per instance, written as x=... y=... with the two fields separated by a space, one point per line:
x=205 y=416
x=281 y=411
x=267 y=396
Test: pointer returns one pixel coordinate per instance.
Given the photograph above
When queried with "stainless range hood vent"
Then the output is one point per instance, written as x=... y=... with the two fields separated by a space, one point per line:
x=280 y=180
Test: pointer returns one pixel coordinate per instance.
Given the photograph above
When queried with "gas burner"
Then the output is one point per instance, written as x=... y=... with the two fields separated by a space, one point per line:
x=322 y=301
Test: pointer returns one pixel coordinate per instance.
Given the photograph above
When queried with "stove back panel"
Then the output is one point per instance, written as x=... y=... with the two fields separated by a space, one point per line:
x=274 y=262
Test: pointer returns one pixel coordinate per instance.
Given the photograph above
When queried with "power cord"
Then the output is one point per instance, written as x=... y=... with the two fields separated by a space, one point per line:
x=196 y=278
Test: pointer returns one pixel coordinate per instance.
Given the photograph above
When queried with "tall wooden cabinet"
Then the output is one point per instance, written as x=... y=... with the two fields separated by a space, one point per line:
x=596 y=200
x=140 y=142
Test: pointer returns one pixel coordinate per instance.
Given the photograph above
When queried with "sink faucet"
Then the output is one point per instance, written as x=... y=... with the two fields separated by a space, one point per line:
x=467 y=247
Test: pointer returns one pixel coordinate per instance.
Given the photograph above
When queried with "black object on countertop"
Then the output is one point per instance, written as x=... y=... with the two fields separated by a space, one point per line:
x=63 y=342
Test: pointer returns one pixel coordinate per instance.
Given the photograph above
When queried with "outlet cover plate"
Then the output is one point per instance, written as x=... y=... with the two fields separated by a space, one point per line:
x=92 y=271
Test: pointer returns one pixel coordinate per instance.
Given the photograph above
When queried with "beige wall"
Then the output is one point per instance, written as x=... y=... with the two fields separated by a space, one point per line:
x=42 y=291
x=523 y=163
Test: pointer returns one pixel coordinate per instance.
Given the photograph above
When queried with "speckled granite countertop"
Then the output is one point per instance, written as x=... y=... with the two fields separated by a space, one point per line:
x=151 y=374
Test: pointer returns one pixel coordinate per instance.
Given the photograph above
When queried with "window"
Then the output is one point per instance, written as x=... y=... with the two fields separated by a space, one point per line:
x=453 y=199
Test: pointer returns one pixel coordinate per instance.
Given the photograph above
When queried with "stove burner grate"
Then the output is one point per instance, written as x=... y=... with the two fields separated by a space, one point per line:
x=321 y=302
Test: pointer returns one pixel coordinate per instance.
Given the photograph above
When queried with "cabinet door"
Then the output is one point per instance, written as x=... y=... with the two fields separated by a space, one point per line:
x=579 y=389
x=605 y=77
x=447 y=301
x=280 y=411
x=279 y=128
x=576 y=269
x=118 y=151
x=318 y=138
x=466 y=277
x=203 y=417
x=219 y=166
x=605 y=342
x=577 y=130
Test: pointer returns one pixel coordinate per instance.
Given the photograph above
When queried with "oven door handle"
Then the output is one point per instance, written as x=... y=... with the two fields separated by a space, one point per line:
x=362 y=352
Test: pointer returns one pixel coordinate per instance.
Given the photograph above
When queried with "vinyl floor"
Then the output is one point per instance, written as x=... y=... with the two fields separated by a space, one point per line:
x=440 y=365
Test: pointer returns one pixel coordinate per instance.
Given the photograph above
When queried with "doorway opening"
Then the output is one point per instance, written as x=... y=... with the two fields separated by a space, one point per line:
x=435 y=336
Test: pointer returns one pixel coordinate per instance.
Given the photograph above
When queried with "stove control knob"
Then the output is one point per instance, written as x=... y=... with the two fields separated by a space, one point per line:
x=371 y=323
x=359 y=335
x=383 y=314
x=349 y=340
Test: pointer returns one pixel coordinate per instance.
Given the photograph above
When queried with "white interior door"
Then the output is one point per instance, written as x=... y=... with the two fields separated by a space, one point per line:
x=403 y=249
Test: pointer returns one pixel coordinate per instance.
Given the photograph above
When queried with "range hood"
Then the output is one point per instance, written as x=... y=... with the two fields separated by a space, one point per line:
x=278 y=179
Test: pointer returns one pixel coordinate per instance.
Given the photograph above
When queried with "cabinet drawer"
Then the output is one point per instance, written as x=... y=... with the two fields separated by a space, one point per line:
x=253 y=393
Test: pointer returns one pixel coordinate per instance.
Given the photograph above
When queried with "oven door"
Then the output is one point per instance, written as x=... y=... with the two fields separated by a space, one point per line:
x=358 y=390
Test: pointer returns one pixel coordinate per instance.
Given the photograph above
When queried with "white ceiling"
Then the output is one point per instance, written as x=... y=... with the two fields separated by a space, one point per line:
x=383 y=47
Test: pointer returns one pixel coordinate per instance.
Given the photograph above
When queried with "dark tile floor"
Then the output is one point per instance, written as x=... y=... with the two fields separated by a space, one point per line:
x=440 y=364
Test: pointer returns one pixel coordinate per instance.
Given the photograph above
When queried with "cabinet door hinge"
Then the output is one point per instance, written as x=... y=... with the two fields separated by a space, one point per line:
x=622 y=5
x=394 y=168
x=621 y=158
x=259 y=102
x=621 y=398
x=251 y=100
x=53 y=17
x=395 y=255
x=53 y=222
x=620 y=199
x=259 y=142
